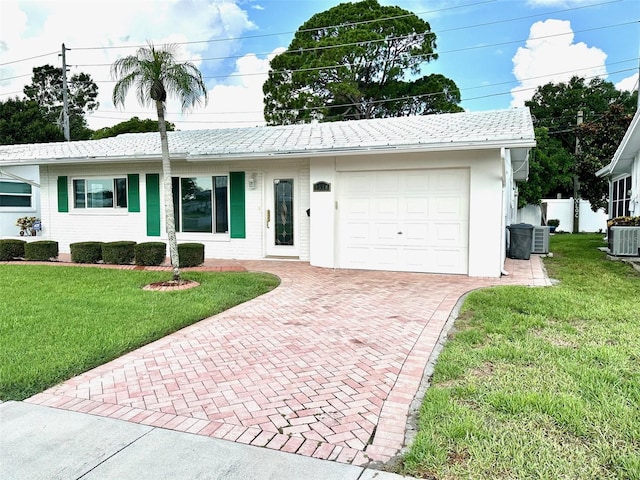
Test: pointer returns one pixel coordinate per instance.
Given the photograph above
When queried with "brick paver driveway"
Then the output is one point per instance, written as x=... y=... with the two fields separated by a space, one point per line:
x=326 y=365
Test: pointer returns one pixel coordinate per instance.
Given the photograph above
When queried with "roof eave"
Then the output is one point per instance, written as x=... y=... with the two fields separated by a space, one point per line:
x=360 y=150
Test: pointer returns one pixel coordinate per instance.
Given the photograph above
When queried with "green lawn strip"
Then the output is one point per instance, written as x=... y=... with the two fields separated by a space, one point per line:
x=540 y=382
x=56 y=322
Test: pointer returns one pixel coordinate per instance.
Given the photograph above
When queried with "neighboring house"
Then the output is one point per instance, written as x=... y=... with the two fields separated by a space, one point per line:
x=624 y=174
x=19 y=196
x=427 y=194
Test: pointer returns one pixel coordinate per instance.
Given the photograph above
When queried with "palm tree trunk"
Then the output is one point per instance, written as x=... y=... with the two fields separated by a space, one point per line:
x=168 y=192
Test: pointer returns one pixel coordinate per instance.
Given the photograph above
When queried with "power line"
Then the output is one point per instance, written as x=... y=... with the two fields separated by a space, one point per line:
x=332 y=26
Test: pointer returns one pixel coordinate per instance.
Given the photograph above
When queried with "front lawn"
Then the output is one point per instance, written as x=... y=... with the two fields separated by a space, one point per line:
x=540 y=382
x=56 y=322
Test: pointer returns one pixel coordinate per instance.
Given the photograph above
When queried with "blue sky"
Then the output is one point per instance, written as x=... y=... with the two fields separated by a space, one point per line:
x=497 y=51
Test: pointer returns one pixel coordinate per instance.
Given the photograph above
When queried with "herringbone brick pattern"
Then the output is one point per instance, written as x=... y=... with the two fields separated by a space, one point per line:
x=326 y=365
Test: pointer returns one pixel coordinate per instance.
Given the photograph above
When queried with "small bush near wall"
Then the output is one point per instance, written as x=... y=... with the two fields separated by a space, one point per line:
x=119 y=253
x=11 y=249
x=191 y=254
x=86 y=252
x=42 y=250
x=150 y=253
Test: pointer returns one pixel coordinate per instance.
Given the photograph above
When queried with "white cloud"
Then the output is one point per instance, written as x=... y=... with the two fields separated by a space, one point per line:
x=628 y=84
x=30 y=29
x=239 y=101
x=551 y=56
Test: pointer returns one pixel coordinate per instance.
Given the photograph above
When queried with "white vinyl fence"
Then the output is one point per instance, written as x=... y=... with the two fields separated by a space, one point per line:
x=562 y=209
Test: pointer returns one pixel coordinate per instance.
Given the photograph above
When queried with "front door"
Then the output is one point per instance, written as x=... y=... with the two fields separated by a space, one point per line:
x=281 y=225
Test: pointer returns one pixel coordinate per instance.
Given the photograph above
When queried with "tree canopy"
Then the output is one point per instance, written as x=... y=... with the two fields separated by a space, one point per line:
x=355 y=61
x=599 y=140
x=133 y=125
x=554 y=108
x=22 y=121
x=46 y=90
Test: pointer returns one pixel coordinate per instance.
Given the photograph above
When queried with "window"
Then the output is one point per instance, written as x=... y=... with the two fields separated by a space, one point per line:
x=621 y=197
x=201 y=204
x=100 y=193
x=15 y=194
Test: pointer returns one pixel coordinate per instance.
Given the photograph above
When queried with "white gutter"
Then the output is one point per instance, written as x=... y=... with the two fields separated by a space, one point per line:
x=347 y=151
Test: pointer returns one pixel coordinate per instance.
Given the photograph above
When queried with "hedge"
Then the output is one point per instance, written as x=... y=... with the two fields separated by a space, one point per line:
x=43 y=250
x=86 y=252
x=11 y=249
x=191 y=254
x=150 y=253
x=119 y=253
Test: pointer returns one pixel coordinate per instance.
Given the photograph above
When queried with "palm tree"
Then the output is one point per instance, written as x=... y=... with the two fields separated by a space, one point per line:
x=154 y=73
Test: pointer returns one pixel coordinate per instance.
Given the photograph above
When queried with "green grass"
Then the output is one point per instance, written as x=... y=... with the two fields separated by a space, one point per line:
x=539 y=382
x=56 y=322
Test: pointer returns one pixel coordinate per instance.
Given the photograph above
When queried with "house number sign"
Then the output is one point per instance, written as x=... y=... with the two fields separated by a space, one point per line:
x=321 y=187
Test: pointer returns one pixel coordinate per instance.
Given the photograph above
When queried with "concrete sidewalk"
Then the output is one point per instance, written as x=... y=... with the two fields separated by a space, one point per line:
x=38 y=442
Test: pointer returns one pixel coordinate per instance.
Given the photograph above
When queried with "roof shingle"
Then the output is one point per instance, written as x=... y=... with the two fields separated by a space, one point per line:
x=512 y=127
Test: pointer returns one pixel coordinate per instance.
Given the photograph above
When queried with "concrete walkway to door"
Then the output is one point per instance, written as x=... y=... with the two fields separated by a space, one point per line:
x=326 y=365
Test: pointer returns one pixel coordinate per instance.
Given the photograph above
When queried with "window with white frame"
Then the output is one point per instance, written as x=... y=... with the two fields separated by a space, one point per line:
x=100 y=192
x=15 y=194
x=201 y=204
x=621 y=197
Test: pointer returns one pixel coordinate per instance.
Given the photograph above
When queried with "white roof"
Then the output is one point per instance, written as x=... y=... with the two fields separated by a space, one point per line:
x=510 y=128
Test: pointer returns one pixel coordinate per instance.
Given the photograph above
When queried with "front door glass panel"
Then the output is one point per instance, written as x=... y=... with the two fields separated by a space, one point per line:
x=283 y=210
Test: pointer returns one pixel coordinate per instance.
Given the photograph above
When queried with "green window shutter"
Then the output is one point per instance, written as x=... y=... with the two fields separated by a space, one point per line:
x=133 y=192
x=153 y=204
x=63 y=195
x=236 y=194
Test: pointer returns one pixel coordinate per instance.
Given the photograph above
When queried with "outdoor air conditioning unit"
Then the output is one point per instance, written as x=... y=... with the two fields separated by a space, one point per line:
x=624 y=240
x=540 y=243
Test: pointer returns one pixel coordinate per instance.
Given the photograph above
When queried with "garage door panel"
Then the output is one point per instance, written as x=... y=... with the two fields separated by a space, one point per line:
x=448 y=207
x=449 y=232
x=386 y=233
x=415 y=233
x=386 y=182
x=357 y=233
x=413 y=220
x=359 y=208
x=387 y=208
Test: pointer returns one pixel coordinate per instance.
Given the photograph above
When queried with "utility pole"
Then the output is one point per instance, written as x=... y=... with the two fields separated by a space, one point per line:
x=65 y=96
x=576 y=182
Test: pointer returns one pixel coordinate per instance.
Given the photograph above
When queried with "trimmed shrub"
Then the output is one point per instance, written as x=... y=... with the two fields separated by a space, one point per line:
x=150 y=253
x=11 y=249
x=118 y=253
x=86 y=252
x=43 y=250
x=191 y=254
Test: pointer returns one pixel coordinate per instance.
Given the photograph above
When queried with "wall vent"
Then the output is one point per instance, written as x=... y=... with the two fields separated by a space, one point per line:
x=540 y=243
x=624 y=240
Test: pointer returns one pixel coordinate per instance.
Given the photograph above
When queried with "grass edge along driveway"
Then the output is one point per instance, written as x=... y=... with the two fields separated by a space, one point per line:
x=539 y=382
x=57 y=322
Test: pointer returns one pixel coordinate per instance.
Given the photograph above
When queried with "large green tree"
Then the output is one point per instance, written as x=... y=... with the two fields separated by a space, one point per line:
x=23 y=121
x=599 y=140
x=354 y=61
x=156 y=73
x=554 y=108
x=46 y=89
x=133 y=125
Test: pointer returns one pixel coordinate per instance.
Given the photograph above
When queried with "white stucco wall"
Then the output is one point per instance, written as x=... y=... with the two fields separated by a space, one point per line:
x=119 y=224
x=9 y=215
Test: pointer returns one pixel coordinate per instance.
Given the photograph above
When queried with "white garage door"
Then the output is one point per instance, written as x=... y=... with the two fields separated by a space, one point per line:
x=405 y=220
